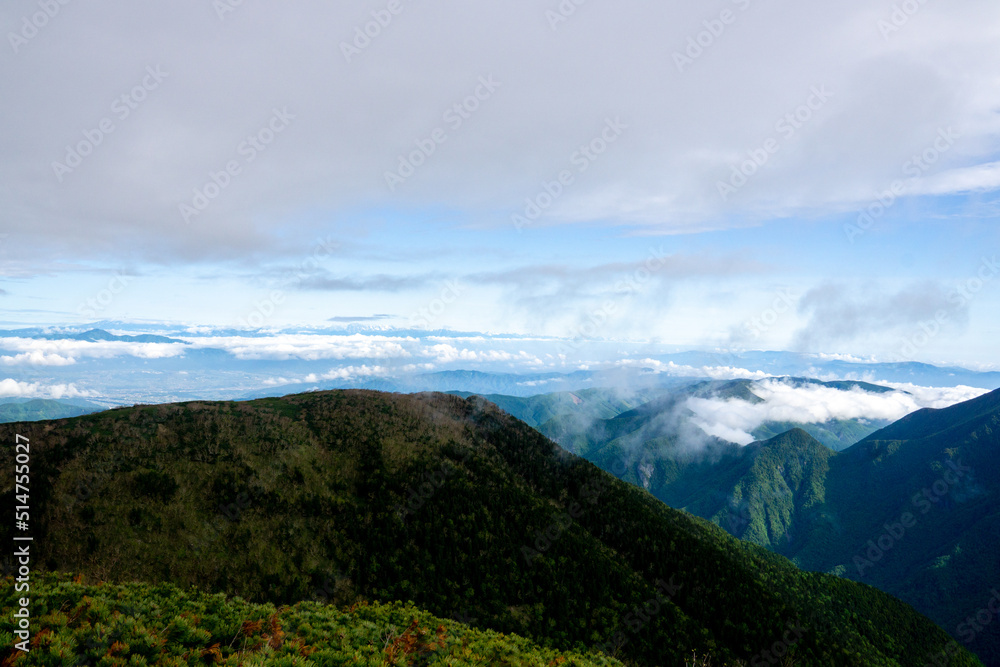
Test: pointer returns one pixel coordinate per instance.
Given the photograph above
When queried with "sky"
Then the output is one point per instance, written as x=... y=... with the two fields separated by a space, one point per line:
x=740 y=174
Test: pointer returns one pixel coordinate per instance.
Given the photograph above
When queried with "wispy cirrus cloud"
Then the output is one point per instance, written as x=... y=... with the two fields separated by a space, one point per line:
x=377 y=283
x=837 y=313
x=983 y=177
x=682 y=370
x=667 y=266
x=347 y=319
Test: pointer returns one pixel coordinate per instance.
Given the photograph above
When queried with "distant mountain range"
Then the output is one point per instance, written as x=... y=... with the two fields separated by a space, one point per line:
x=448 y=502
x=148 y=364
x=91 y=335
x=496 y=384
x=765 y=364
x=808 y=365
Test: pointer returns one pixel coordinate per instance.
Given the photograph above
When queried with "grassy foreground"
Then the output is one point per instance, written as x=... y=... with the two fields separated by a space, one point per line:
x=141 y=624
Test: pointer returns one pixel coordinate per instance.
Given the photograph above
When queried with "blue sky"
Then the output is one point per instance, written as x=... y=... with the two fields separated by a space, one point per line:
x=301 y=227
x=747 y=269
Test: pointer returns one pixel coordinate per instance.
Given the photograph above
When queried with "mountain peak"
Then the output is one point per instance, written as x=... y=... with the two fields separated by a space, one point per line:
x=928 y=422
x=447 y=502
x=795 y=438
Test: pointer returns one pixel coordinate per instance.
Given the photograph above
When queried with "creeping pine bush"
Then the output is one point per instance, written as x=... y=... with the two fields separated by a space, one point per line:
x=119 y=625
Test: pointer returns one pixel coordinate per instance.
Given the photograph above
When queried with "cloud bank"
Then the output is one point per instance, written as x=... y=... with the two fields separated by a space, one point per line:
x=11 y=388
x=735 y=419
x=690 y=117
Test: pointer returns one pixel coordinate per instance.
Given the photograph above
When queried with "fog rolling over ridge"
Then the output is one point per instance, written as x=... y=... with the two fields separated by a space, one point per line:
x=906 y=505
x=128 y=363
x=693 y=414
x=735 y=419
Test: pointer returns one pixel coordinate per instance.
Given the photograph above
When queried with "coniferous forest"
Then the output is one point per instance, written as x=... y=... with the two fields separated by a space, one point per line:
x=232 y=532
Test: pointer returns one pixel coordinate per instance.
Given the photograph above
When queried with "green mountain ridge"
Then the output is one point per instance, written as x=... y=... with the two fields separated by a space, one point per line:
x=929 y=422
x=38 y=409
x=910 y=509
x=587 y=404
x=574 y=419
x=448 y=503
x=837 y=434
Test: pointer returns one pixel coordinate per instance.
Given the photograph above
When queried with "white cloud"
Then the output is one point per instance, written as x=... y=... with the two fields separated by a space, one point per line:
x=540 y=383
x=446 y=354
x=37 y=358
x=354 y=372
x=345 y=373
x=734 y=419
x=414 y=368
x=937 y=397
x=65 y=351
x=681 y=370
x=724 y=431
x=309 y=347
x=852 y=358
x=956 y=181
x=889 y=96
x=279 y=381
x=10 y=387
